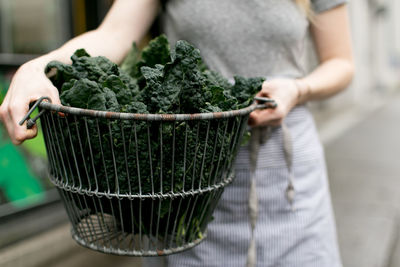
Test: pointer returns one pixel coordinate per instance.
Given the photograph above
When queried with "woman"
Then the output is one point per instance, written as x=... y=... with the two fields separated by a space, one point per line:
x=295 y=225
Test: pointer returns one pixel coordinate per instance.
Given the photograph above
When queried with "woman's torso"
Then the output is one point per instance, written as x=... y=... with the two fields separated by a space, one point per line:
x=249 y=38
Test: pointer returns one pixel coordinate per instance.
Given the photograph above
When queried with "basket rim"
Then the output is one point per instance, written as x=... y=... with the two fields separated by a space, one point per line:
x=150 y=117
x=135 y=252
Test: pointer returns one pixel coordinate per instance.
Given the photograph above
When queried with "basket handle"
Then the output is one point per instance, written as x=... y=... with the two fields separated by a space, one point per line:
x=265 y=102
x=31 y=122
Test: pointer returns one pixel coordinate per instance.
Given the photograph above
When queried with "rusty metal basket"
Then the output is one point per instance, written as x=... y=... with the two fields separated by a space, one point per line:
x=140 y=184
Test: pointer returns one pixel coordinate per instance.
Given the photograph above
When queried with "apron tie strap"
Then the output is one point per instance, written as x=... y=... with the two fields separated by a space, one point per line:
x=259 y=136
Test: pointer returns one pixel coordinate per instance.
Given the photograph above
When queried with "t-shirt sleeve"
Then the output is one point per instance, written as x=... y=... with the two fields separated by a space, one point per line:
x=323 y=5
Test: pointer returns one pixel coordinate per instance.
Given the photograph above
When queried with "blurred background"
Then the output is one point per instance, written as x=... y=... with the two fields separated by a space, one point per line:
x=359 y=129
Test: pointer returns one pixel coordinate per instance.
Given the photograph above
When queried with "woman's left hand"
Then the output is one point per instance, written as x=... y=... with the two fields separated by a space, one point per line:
x=285 y=92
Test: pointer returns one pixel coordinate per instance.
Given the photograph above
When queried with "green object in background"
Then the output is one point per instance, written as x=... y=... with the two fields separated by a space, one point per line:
x=3 y=88
x=19 y=186
x=34 y=146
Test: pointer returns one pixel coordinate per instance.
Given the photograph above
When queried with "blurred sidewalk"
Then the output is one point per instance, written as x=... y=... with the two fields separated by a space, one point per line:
x=364 y=173
x=363 y=157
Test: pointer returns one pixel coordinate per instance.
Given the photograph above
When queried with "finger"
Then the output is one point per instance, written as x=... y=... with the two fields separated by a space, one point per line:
x=265 y=117
x=252 y=119
x=61 y=114
x=55 y=99
x=19 y=133
x=51 y=91
x=32 y=132
x=255 y=121
x=22 y=135
x=5 y=118
x=17 y=110
x=262 y=93
x=45 y=88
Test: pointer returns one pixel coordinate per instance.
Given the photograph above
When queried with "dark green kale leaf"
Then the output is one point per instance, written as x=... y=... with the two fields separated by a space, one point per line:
x=129 y=65
x=64 y=73
x=159 y=97
x=95 y=83
x=156 y=52
x=131 y=83
x=94 y=68
x=216 y=79
x=111 y=100
x=245 y=89
x=178 y=86
x=221 y=92
x=189 y=78
x=84 y=94
x=135 y=107
x=115 y=83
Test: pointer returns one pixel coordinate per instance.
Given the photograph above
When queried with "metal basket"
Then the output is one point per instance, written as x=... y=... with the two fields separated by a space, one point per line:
x=140 y=184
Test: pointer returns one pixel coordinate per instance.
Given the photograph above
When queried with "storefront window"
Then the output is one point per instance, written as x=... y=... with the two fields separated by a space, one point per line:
x=27 y=29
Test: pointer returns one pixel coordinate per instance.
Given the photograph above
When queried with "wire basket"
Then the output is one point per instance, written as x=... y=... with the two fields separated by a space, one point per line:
x=140 y=184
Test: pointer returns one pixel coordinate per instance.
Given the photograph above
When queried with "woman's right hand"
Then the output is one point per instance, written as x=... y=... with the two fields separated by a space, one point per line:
x=28 y=84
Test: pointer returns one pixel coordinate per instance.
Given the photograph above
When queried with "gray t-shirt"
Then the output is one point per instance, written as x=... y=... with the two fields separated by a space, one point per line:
x=264 y=38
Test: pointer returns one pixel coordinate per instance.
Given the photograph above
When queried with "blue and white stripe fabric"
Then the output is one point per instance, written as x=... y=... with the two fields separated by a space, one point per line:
x=303 y=236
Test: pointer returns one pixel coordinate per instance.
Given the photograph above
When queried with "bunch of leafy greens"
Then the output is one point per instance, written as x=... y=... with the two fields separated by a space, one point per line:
x=134 y=157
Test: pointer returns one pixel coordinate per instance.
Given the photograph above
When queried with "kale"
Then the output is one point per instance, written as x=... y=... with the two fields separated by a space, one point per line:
x=145 y=157
x=157 y=52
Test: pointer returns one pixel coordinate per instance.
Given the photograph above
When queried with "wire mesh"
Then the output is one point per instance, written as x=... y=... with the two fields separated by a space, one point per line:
x=140 y=187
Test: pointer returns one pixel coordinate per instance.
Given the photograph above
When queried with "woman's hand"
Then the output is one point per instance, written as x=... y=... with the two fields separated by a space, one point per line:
x=285 y=92
x=331 y=33
x=28 y=84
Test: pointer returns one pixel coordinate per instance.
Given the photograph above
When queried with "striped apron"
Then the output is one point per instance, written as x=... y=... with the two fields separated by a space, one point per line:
x=277 y=212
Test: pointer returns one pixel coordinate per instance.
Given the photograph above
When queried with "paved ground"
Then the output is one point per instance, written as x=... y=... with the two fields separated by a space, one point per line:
x=364 y=172
x=364 y=168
